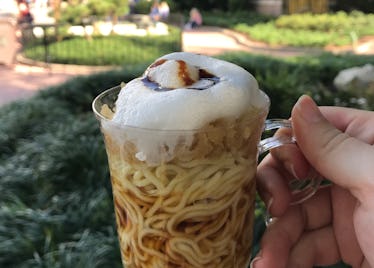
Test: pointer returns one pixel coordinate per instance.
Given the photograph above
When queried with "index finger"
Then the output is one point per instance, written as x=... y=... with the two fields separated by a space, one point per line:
x=354 y=122
x=271 y=183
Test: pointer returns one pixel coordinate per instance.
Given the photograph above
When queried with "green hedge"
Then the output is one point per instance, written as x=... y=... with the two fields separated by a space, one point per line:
x=230 y=19
x=338 y=22
x=55 y=194
x=339 y=28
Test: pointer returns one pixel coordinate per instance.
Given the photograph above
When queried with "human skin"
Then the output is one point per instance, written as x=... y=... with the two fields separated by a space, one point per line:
x=336 y=224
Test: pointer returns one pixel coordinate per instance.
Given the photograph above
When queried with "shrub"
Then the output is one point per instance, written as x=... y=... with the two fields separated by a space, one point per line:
x=143 y=7
x=77 y=12
x=230 y=19
x=55 y=193
x=267 y=32
x=341 y=22
x=311 y=29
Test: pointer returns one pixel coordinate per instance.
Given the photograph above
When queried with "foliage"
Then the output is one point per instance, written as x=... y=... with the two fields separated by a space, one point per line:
x=143 y=7
x=268 y=33
x=102 y=8
x=77 y=11
x=311 y=29
x=366 y=6
x=334 y=22
x=209 y=5
x=202 y=5
x=108 y=50
x=230 y=19
x=235 y=5
x=56 y=207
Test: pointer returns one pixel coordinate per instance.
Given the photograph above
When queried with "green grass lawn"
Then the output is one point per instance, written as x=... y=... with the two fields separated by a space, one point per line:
x=56 y=206
x=108 y=50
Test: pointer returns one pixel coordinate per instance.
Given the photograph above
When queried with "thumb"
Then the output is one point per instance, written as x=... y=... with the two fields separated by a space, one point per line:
x=338 y=157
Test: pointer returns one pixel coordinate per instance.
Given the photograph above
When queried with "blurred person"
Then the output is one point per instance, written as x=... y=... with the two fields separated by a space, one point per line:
x=336 y=223
x=195 y=19
x=164 y=10
x=25 y=15
x=155 y=11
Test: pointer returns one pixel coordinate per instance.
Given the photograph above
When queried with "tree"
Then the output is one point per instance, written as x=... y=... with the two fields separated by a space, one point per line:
x=57 y=10
x=78 y=11
x=109 y=8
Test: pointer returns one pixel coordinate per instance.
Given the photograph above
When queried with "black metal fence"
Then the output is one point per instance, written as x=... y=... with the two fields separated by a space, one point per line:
x=101 y=43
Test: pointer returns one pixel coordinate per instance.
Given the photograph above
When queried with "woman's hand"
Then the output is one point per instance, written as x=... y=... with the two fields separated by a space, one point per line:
x=337 y=222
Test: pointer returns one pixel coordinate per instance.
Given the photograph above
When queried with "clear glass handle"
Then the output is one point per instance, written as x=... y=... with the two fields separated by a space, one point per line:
x=301 y=189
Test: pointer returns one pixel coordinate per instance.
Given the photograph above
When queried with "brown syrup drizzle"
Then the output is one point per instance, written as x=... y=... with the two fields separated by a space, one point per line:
x=205 y=74
x=183 y=74
x=158 y=63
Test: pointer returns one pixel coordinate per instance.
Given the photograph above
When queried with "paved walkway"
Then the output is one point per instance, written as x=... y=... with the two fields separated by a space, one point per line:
x=215 y=40
x=22 y=81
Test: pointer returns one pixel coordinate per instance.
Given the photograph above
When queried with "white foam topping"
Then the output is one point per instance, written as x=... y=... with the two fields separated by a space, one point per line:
x=179 y=99
x=182 y=91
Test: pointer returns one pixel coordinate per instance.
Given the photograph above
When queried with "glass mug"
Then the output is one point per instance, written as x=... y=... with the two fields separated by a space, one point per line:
x=186 y=198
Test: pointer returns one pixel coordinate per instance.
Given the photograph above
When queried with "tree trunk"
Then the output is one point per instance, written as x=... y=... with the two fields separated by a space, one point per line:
x=57 y=10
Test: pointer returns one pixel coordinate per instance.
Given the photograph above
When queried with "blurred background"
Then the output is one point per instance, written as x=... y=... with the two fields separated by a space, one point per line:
x=56 y=206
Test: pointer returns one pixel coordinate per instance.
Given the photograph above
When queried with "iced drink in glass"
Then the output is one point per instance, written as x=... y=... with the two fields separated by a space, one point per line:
x=182 y=145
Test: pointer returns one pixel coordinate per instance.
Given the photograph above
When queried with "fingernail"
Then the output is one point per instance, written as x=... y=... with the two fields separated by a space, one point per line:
x=256 y=259
x=268 y=218
x=291 y=168
x=308 y=109
x=270 y=202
